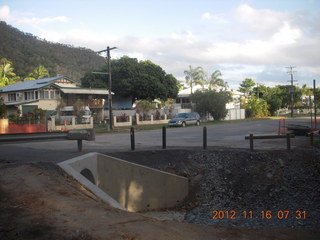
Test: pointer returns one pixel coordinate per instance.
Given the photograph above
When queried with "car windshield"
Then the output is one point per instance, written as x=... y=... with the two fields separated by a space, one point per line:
x=181 y=115
x=86 y=112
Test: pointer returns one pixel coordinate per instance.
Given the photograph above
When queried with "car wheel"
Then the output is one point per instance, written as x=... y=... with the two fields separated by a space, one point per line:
x=198 y=123
x=183 y=124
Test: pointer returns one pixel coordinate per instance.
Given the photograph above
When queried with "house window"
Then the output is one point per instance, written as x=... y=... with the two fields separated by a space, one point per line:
x=12 y=97
x=36 y=94
x=57 y=94
x=45 y=94
x=48 y=94
x=29 y=95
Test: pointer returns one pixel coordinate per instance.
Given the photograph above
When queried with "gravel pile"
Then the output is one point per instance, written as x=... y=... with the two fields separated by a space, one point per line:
x=275 y=188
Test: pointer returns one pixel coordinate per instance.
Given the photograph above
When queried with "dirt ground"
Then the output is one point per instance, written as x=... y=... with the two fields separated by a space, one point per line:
x=40 y=201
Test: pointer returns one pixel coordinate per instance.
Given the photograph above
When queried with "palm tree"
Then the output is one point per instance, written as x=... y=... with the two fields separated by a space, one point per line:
x=195 y=76
x=39 y=72
x=215 y=81
x=5 y=71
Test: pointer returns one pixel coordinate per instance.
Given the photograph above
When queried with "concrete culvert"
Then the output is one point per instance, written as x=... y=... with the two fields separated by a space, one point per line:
x=88 y=175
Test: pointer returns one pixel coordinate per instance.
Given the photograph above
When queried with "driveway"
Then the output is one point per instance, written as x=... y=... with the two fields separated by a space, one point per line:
x=221 y=135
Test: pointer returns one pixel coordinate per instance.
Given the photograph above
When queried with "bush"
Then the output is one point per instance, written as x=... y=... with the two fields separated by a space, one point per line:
x=3 y=109
x=123 y=118
x=212 y=102
x=256 y=107
x=144 y=107
x=35 y=116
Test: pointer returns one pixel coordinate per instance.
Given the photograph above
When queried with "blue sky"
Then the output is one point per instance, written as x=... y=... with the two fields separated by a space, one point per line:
x=242 y=38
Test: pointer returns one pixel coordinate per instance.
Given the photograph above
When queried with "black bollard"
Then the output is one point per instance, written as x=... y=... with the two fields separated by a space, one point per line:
x=164 y=137
x=132 y=138
x=204 y=137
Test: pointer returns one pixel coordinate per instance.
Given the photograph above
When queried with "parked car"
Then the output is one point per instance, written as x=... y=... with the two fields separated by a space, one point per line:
x=184 y=119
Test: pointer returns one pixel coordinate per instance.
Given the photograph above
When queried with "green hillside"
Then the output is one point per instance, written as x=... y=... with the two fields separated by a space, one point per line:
x=26 y=52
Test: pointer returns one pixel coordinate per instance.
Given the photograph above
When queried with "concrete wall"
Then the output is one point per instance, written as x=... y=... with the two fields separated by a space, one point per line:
x=134 y=187
x=73 y=126
x=122 y=124
x=139 y=122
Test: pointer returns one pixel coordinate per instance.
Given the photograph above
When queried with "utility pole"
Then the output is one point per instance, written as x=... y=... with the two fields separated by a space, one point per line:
x=109 y=78
x=315 y=105
x=291 y=72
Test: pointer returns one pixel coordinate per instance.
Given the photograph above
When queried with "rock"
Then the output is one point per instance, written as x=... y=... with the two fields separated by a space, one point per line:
x=269 y=175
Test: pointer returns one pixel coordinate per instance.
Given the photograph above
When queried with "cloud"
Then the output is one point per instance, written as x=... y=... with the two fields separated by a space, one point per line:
x=26 y=19
x=5 y=13
x=263 y=23
x=215 y=17
x=260 y=39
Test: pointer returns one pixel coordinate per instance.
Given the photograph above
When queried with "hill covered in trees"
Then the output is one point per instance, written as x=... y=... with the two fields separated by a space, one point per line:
x=26 y=52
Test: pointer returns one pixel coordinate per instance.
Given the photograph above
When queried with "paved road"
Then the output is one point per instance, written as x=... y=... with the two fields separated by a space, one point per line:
x=222 y=135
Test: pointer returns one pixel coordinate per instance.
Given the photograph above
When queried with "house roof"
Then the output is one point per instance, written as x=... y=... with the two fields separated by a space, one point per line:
x=92 y=91
x=32 y=84
x=19 y=103
x=187 y=92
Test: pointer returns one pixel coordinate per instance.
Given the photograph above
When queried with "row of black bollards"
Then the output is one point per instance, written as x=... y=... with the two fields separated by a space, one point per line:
x=164 y=138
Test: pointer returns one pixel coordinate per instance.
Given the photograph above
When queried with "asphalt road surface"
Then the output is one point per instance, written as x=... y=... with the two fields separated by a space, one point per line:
x=221 y=135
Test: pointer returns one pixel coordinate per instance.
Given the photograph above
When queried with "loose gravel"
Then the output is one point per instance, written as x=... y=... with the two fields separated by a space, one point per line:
x=274 y=187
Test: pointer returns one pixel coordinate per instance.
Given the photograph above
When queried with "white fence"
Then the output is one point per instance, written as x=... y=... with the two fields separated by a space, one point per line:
x=152 y=121
x=73 y=126
x=235 y=114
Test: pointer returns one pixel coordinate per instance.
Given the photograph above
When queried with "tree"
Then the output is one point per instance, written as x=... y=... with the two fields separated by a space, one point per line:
x=6 y=72
x=256 y=107
x=195 y=76
x=27 y=52
x=246 y=86
x=138 y=80
x=39 y=72
x=273 y=97
x=215 y=81
x=212 y=102
x=286 y=96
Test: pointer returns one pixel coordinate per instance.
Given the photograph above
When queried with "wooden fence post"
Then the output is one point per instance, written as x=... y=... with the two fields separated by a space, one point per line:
x=288 y=141
x=251 y=141
x=311 y=138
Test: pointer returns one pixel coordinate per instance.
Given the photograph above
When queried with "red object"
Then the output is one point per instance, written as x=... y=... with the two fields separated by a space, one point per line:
x=284 y=126
x=279 y=127
x=27 y=128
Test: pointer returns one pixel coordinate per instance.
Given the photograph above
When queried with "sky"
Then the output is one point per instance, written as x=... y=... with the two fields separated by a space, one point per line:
x=254 y=39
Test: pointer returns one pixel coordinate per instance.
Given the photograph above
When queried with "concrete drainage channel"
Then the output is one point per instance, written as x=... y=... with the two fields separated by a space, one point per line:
x=125 y=185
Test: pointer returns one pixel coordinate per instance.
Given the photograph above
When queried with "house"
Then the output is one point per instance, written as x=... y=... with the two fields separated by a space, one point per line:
x=47 y=93
x=183 y=102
